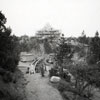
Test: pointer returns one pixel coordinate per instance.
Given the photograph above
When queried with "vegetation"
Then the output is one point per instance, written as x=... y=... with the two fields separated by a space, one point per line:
x=9 y=52
x=83 y=38
x=9 y=58
x=86 y=74
x=47 y=47
x=63 y=52
x=95 y=49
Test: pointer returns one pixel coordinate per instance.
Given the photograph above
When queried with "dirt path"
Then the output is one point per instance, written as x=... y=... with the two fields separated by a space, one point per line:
x=38 y=88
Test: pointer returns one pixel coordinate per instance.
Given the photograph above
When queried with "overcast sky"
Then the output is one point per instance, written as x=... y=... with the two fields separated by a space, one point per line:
x=69 y=16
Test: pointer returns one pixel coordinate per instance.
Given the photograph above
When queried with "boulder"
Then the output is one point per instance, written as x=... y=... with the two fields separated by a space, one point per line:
x=55 y=79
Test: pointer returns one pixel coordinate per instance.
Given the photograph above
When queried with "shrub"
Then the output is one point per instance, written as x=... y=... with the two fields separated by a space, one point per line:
x=10 y=64
x=53 y=72
x=7 y=77
x=67 y=95
x=63 y=86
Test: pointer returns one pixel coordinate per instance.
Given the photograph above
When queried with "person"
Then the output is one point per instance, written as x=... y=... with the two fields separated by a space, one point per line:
x=45 y=67
x=32 y=69
x=27 y=71
x=42 y=70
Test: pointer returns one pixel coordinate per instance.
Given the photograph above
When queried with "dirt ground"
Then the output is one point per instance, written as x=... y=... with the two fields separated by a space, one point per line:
x=37 y=87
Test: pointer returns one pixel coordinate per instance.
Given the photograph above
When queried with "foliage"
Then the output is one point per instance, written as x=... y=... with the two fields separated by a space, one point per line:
x=11 y=91
x=34 y=44
x=24 y=43
x=95 y=47
x=63 y=52
x=83 y=39
x=9 y=52
x=63 y=86
x=2 y=21
x=28 y=44
x=86 y=78
x=53 y=72
x=47 y=47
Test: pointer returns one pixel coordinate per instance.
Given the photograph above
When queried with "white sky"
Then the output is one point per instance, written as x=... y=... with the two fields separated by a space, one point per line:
x=69 y=16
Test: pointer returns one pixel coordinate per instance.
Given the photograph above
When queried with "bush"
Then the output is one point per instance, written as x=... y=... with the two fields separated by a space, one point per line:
x=53 y=72
x=63 y=86
x=68 y=95
x=91 y=59
x=69 y=92
x=10 y=64
x=7 y=77
x=66 y=77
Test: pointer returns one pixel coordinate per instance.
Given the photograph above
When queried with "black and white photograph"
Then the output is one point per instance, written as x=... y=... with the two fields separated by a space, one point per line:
x=49 y=49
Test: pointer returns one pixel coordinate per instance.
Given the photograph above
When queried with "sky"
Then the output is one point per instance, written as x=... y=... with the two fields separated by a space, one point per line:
x=71 y=17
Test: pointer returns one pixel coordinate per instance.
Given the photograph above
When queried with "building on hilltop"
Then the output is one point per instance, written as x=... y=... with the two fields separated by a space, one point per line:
x=48 y=32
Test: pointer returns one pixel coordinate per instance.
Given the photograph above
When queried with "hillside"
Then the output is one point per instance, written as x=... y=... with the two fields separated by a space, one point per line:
x=13 y=90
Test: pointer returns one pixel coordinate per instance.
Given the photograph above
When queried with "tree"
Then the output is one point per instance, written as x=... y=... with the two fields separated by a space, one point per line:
x=95 y=48
x=86 y=79
x=83 y=39
x=62 y=52
x=24 y=43
x=9 y=54
x=47 y=47
x=2 y=21
x=34 y=44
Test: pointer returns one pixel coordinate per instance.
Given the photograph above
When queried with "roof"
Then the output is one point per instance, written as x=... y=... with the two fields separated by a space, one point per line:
x=48 y=30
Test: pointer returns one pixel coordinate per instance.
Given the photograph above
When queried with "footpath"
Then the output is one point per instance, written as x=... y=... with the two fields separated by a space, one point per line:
x=38 y=88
